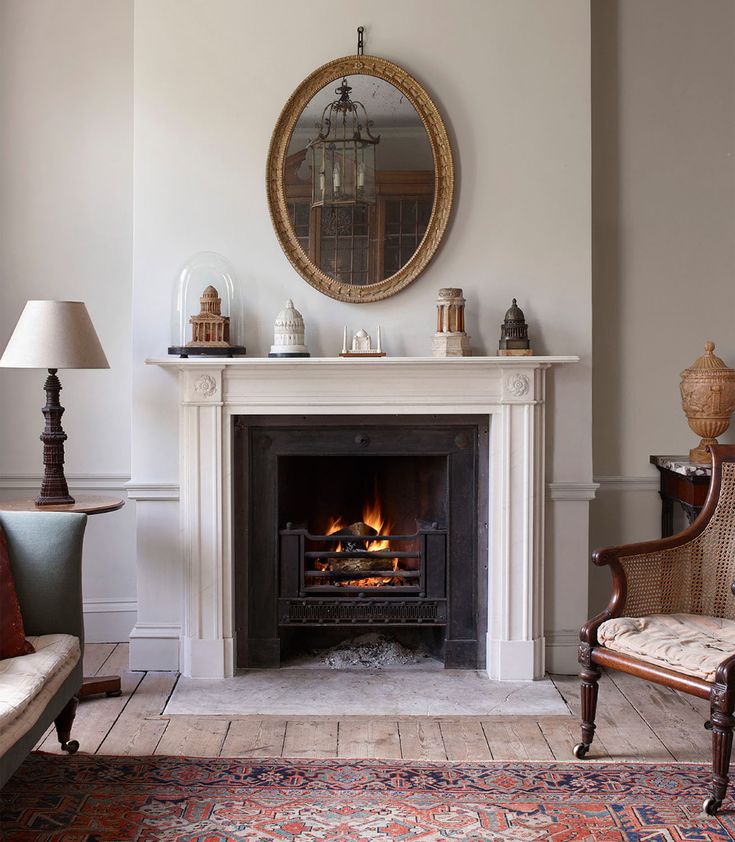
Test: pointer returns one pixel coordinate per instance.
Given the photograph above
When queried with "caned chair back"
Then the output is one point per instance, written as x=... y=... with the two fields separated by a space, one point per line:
x=695 y=577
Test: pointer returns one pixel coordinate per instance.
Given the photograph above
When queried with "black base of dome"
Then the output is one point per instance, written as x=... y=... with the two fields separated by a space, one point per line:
x=279 y=356
x=207 y=351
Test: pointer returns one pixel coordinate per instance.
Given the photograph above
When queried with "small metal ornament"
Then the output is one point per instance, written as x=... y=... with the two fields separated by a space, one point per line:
x=288 y=334
x=514 y=340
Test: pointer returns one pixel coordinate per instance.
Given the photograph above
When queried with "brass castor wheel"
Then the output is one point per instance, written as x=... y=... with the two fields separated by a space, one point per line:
x=72 y=747
x=711 y=805
x=708 y=725
x=580 y=750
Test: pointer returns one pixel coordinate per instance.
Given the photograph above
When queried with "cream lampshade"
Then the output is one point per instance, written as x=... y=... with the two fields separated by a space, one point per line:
x=54 y=335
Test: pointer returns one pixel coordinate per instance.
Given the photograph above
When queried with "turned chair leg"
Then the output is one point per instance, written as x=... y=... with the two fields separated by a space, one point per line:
x=589 y=677
x=721 y=723
x=63 y=723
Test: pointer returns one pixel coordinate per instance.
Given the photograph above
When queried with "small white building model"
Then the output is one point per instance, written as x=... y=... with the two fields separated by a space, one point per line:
x=288 y=334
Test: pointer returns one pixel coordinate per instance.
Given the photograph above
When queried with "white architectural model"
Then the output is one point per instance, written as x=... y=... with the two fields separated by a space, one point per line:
x=361 y=344
x=288 y=334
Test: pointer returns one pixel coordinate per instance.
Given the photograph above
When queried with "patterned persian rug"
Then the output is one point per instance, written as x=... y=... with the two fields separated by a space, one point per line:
x=98 y=798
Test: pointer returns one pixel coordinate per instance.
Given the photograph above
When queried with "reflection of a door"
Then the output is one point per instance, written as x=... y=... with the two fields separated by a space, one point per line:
x=363 y=244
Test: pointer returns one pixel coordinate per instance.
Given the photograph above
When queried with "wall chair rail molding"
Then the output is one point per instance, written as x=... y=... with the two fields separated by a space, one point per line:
x=627 y=483
x=81 y=482
x=152 y=492
x=571 y=492
x=508 y=391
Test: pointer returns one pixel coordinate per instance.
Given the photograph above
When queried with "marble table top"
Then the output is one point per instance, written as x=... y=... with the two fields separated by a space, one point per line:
x=682 y=465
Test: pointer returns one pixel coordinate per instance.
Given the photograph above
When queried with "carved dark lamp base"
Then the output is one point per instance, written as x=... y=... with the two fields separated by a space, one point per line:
x=54 y=490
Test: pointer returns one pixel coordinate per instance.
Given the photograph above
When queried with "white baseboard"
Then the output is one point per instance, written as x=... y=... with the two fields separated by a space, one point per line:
x=109 y=621
x=561 y=652
x=155 y=647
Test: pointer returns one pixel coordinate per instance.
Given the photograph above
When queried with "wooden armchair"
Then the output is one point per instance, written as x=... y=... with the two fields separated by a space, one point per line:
x=671 y=618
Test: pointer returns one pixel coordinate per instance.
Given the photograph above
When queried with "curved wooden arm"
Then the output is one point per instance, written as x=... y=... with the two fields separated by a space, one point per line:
x=614 y=608
x=611 y=555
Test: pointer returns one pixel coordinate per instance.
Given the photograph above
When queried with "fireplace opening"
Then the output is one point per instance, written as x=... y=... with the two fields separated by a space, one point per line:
x=344 y=528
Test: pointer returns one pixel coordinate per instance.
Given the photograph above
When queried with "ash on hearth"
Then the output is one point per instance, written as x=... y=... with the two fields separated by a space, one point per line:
x=371 y=651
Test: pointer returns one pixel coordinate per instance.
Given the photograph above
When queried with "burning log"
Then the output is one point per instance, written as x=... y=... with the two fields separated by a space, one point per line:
x=346 y=564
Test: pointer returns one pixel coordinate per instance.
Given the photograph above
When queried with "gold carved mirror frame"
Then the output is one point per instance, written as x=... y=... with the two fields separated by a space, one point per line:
x=443 y=177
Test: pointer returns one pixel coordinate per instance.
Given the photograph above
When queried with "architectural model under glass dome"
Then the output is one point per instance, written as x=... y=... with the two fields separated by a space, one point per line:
x=207 y=310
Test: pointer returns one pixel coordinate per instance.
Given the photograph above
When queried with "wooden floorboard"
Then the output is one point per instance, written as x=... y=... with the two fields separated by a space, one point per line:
x=636 y=721
x=377 y=738
x=464 y=740
x=255 y=738
x=421 y=739
x=96 y=715
x=311 y=738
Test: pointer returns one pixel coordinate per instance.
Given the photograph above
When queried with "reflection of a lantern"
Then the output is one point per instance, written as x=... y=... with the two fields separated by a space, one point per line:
x=343 y=154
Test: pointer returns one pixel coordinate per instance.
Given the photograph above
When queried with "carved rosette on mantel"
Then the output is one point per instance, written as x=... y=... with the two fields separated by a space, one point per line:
x=708 y=399
x=215 y=397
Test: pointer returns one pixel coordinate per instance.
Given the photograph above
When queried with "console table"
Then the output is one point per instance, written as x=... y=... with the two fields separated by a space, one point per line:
x=684 y=482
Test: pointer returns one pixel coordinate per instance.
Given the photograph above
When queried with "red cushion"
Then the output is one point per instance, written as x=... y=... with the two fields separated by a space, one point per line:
x=12 y=636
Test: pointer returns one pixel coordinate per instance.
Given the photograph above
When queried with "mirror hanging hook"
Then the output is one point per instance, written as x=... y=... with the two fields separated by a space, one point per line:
x=360 y=45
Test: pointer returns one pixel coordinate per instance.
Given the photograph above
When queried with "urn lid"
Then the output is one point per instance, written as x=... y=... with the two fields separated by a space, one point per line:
x=707 y=362
x=514 y=313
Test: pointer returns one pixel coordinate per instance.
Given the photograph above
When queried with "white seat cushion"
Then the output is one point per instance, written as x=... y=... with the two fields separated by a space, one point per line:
x=689 y=643
x=28 y=682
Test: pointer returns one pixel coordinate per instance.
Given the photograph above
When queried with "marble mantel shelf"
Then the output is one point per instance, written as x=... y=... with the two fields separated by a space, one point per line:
x=438 y=362
x=509 y=391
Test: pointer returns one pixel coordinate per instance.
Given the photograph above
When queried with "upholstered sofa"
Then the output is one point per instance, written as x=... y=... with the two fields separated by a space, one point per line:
x=45 y=551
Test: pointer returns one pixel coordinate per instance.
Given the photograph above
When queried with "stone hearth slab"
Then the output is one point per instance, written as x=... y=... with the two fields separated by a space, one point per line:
x=325 y=692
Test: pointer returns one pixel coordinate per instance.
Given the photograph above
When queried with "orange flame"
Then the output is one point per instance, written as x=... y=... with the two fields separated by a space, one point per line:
x=373 y=517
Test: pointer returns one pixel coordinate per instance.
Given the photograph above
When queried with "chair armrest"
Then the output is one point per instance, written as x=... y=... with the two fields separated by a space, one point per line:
x=45 y=551
x=639 y=573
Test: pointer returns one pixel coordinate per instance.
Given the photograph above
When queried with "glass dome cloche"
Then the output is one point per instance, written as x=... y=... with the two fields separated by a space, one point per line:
x=207 y=317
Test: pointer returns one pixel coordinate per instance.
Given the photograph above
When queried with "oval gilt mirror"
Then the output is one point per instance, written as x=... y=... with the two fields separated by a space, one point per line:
x=360 y=179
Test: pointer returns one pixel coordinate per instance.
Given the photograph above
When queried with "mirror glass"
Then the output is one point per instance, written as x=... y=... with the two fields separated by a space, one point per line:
x=359 y=211
x=360 y=179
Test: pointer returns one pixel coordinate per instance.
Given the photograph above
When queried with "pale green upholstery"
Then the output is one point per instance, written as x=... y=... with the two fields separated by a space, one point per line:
x=46 y=559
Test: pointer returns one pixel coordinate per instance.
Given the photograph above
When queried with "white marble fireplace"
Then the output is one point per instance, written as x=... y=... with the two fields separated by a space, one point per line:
x=508 y=390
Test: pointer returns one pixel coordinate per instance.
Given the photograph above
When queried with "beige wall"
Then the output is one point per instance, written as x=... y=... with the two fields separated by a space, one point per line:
x=66 y=99
x=512 y=80
x=663 y=238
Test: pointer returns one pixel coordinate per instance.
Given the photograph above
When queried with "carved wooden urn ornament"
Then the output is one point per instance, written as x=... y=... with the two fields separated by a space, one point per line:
x=708 y=399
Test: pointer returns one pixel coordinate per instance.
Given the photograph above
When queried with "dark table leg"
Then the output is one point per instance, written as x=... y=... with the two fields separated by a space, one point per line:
x=667 y=515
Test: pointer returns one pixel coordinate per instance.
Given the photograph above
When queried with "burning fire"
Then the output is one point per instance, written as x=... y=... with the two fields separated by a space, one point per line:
x=372 y=516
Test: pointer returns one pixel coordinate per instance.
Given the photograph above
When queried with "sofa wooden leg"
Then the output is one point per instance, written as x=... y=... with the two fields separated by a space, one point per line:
x=63 y=723
x=589 y=677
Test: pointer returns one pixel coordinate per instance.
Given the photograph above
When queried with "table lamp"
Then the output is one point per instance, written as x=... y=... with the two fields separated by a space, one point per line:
x=54 y=335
